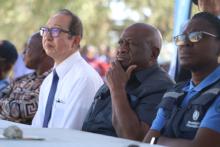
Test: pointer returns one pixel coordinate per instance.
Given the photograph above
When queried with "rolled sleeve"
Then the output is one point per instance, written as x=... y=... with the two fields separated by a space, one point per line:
x=212 y=117
x=147 y=108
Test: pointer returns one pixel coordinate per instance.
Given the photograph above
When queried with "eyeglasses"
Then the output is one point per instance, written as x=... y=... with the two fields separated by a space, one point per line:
x=193 y=37
x=54 y=32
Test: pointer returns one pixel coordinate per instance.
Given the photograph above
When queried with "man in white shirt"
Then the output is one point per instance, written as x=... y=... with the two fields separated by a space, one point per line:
x=66 y=103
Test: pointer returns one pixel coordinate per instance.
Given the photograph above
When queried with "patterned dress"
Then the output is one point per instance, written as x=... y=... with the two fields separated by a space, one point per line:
x=19 y=100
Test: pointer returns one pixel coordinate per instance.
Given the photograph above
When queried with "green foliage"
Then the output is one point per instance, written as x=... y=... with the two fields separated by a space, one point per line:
x=19 y=19
x=161 y=14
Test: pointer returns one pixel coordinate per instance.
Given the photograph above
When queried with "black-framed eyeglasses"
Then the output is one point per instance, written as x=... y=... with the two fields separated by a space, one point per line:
x=54 y=32
x=192 y=37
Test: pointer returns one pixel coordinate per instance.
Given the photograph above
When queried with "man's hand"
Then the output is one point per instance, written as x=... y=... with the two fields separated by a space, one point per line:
x=124 y=119
x=116 y=77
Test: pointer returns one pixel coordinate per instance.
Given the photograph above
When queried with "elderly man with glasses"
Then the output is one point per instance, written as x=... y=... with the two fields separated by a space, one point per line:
x=189 y=114
x=67 y=93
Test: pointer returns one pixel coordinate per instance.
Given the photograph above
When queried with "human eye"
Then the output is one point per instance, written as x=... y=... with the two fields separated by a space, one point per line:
x=195 y=36
x=132 y=42
x=180 y=39
x=120 y=42
x=55 y=31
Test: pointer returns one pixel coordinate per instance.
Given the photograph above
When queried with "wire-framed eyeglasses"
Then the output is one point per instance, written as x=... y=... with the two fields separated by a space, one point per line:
x=54 y=32
x=192 y=37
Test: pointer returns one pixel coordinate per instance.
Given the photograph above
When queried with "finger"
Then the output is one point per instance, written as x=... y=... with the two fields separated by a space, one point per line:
x=118 y=65
x=113 y=64
x=108 y=74
x=130 y=69
x=113 y=59
x=109 y=70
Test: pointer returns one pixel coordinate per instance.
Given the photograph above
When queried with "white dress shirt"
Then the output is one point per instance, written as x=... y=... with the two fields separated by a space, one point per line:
x=77 y=86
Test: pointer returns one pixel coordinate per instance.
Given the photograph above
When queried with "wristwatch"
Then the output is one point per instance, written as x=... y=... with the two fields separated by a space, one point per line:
x=154 y=140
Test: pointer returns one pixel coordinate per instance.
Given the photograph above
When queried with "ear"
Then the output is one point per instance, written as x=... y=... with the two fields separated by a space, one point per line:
x=218 y=52
x=76 y=41
x=155 y=53
x=6 y=68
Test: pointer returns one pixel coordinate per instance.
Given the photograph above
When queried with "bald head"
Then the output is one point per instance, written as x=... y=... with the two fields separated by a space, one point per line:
x=35 y=56
x=37 y=36
x=148 y=32
x=140 y=44
x=37 y=39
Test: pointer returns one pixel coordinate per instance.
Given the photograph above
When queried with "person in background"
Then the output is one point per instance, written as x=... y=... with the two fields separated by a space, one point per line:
x=189 y=114
x=105 y=54
x=20 y=69
x=89 y=53
x=211 y=6
x=8 y=56
x=67 y=93
x=126 y=106
x=19 y=100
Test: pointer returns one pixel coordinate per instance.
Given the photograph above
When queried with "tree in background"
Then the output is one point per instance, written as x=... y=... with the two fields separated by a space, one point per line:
x=19 y=19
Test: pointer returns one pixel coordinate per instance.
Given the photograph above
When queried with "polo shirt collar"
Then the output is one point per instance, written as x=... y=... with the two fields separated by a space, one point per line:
x=210 y=79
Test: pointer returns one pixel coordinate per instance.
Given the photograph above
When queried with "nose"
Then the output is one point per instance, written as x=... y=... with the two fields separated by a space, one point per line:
x=24 y=51
x=187 y=42
x=122 y=50
x=123 y=47
x=186 y=47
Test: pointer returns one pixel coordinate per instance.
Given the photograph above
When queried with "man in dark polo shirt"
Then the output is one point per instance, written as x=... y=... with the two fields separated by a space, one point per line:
x=126 y=105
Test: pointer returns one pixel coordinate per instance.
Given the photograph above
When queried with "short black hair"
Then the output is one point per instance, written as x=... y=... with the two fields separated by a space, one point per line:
x=75 y=26
x=8 y=51
x=213 y=20
x=195 y=2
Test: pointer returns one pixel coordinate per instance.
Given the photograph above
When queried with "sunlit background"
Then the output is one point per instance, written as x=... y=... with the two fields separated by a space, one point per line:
x=103 y=20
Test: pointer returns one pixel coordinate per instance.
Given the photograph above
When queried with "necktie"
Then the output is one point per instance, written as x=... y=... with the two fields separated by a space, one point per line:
x=50 y=99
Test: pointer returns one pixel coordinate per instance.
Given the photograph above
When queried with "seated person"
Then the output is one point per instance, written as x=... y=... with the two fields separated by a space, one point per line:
x=126 y=106
x=67 y=93
x=20 y=68
x=8 y=56
x=189 y=114
x=19 y=100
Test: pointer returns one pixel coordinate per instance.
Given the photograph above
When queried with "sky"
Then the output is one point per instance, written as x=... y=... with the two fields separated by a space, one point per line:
x=119 y=12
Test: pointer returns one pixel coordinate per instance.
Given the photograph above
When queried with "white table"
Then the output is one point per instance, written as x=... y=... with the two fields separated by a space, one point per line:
x=64 y=138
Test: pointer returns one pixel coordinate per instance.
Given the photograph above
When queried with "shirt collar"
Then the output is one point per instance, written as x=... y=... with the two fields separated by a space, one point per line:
x=210 y=79
x=44 y=74
x=3 y=81
x=66 y=65
x=142 y=74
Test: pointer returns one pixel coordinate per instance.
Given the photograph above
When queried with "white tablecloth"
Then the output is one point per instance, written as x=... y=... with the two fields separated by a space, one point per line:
x=63 y=138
